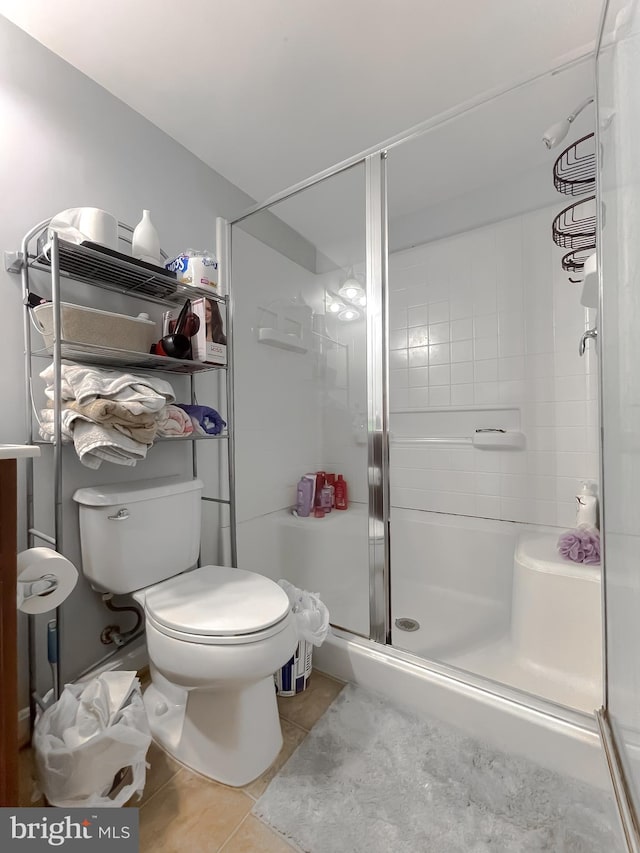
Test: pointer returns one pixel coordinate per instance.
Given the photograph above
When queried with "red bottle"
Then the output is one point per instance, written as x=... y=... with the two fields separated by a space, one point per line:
x=320 y=480
x=342 y=496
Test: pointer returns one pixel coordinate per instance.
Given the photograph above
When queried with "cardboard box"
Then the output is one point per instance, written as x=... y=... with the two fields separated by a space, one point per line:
x=209 y=344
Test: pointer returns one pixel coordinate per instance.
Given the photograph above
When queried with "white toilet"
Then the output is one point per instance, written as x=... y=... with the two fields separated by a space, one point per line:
x=215 y=635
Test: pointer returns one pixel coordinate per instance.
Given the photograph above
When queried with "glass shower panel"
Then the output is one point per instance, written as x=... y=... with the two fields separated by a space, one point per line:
x=298 y=284
x=619 y=115
x=493 y=414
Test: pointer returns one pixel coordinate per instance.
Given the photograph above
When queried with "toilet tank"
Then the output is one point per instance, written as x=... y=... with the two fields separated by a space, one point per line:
x=136 y=534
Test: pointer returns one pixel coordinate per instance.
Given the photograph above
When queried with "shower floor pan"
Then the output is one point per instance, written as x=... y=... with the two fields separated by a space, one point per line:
x=495 y=599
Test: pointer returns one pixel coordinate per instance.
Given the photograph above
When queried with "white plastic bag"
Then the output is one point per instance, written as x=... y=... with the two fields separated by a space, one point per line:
x=90 y=734
x=311 y=614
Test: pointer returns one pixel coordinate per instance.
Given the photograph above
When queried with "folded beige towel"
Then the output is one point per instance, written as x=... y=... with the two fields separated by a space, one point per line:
x=109 y=412
x=143 y=432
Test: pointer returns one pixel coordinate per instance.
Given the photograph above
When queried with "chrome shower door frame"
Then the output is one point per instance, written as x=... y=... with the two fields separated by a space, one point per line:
x=374 y=162
x=377 y=397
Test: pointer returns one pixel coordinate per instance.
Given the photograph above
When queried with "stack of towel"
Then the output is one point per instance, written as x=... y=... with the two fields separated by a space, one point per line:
x=115 y=417
x=108 y=415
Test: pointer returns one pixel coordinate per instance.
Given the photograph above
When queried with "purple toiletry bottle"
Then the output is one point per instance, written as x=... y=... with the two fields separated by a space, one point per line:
x=304 y=497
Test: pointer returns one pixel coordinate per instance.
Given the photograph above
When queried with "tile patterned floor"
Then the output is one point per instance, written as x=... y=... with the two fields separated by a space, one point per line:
x=182 y=810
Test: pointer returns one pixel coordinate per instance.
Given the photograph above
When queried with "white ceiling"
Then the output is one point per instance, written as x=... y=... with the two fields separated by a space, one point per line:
x=487 y=164
x=268 y=92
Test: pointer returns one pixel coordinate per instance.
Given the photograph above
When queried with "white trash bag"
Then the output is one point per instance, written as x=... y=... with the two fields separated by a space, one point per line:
x=83 y=741
x=311 y=617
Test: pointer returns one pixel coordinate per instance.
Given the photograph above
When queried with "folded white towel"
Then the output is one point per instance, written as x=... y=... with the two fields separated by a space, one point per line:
x=141 y=394
x=47 y=425
x=197 y=426
x=96 y=443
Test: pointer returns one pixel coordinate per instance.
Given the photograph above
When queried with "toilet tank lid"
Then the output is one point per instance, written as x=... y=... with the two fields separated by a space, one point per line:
x=138 y=490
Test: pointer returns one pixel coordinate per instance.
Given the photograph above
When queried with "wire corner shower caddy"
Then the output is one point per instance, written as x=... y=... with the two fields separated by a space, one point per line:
x=574 y=228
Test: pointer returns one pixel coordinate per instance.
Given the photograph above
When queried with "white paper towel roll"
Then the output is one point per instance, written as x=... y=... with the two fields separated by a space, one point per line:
x=36 y=562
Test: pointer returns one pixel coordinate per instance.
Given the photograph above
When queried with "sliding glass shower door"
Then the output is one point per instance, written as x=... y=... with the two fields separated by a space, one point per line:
x=619 y=127
x=300 y=309
x=493 y=412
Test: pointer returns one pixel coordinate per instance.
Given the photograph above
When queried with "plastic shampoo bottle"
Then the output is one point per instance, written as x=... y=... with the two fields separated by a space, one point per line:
x=587 y=505
x=304 y=497
x=342 y=496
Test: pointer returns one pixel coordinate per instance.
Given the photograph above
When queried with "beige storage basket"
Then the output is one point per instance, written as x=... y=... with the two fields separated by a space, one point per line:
x=83 y=325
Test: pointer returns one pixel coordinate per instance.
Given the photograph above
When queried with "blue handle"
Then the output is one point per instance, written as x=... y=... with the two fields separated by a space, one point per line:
x=52 y=642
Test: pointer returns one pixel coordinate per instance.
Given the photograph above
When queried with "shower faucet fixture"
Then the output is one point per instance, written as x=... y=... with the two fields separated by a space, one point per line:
x=557 y=132
x=590 y=334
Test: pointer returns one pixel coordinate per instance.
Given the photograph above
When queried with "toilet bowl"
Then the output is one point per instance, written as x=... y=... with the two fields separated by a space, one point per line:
x=215 y=634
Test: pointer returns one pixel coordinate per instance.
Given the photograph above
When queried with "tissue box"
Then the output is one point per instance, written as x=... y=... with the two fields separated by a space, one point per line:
x=209 y=344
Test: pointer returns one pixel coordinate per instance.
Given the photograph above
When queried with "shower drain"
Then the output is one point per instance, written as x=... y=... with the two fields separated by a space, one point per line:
x=406 y=624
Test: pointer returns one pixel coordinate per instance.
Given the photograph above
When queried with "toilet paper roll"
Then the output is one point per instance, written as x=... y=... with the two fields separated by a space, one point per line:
x=36 y=562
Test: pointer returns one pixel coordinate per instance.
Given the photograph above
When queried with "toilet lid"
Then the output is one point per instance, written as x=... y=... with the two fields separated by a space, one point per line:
x=217 y=601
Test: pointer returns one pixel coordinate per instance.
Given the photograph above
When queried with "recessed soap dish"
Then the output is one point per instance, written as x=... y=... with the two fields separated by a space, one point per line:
x=494 y=439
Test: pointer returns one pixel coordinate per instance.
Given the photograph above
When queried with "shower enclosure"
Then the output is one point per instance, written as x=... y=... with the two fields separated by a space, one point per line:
x=407 y=320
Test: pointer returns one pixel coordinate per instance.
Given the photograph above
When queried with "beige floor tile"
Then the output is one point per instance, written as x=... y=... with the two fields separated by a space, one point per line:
x=162 y=768
x=307 y=707
x=292 y=737
x=254 y=837
x=191 y=813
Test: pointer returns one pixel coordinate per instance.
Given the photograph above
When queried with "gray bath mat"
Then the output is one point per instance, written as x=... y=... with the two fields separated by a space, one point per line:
x=371 y=778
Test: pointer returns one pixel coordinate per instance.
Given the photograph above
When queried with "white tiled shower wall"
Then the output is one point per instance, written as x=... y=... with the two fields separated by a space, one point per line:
x=278 y=403
x=487 y=321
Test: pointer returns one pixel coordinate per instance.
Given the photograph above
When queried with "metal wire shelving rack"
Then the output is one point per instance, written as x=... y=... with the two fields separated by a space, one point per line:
x=114 y=272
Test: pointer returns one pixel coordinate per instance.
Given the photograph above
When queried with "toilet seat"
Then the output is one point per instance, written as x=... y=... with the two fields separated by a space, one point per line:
x=217 y=605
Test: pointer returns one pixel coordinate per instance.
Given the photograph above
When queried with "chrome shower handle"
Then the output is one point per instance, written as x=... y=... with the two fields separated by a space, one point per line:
x=590 y=333
x=121 y=515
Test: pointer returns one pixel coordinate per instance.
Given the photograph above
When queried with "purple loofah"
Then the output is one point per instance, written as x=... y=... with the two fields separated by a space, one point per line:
x=582 y=545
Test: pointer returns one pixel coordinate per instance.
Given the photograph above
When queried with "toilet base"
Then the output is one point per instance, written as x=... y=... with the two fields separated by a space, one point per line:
x=231 y=735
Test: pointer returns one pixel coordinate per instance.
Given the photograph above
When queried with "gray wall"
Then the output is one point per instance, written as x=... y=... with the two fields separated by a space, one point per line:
x=67 y=142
